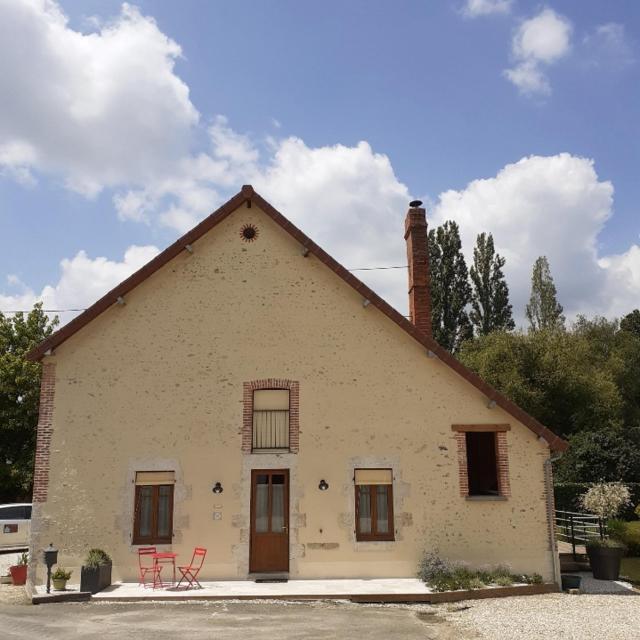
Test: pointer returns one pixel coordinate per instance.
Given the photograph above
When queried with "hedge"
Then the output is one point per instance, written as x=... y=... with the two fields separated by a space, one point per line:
x=567 y=496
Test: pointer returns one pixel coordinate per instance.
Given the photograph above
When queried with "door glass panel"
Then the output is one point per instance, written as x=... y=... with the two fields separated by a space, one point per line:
x=382 y=509
x=277 y=504
x=364 y=508
x=164 y=511
x=262 y=503
x=145 y=505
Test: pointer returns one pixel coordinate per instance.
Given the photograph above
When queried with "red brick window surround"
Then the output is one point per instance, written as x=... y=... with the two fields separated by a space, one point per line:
x=494 y=442
x=45 y=430
x=294 y=410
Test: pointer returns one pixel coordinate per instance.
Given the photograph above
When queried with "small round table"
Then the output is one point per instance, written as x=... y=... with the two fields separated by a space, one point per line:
x=164 y=558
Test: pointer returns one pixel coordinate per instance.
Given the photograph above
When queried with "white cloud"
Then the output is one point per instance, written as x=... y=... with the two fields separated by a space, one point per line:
x=623 y=281
x=476 y=8
x=82 y=281
x=95 y=109
x=190 y=191
x=529 y=79
x=349 y=201
x=554 y=206
x=545 y=37
x=608 y=46
x=15 y=160
x=541 y=40
x=106 y=109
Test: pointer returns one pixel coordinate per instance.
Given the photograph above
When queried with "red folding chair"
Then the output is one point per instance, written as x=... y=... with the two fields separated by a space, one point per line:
x=153 y=568
x=190 y=573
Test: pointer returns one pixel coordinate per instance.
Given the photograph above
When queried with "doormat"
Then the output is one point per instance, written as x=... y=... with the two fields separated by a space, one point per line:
x=263 y=580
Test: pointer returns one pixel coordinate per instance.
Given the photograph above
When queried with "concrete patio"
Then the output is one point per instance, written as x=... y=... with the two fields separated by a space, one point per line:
x=355 y=590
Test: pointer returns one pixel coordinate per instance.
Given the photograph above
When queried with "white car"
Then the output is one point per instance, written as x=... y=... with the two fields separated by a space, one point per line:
x=15 y=525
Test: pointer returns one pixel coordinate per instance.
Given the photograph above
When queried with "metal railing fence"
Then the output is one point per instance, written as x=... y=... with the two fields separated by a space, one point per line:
x=576 y=528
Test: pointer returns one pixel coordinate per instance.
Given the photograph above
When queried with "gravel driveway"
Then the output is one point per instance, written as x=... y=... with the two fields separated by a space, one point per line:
x=555 y=616
x=548 y=617
x=222 y=621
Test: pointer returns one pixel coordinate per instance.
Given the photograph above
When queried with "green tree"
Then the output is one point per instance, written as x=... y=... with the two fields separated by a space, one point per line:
x=450 y=290
x=584 y=384
x=19 y=399
x=631 y=322
x=604 y=455
x=618 y=353
x=554 y=376
x=543 y=311
x=491 y=310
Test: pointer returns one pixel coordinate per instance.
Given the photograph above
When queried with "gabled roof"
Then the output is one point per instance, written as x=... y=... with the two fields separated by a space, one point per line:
x=248 y=194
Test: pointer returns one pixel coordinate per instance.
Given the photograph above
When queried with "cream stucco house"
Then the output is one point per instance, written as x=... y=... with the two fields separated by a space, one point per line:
x=245 y=393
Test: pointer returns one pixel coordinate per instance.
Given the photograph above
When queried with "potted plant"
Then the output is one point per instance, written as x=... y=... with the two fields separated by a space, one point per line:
x=19 y=571
x=59 y=578
x=606 y=500
x=605 y=555
x=95 y=574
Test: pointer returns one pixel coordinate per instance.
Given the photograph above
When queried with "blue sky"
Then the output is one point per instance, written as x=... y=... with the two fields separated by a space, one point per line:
x=115 y=106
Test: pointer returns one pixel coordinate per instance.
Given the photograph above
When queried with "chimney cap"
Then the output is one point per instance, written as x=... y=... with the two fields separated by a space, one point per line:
x=414 y=204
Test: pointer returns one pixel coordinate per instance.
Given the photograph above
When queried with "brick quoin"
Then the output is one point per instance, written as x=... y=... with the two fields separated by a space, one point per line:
x=45 y=430
x=550 y=501
x=294 y=410
x=502 y=456
x=463 y=474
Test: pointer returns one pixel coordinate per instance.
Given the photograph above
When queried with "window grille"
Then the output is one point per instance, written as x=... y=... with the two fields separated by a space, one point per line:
x=270 y=419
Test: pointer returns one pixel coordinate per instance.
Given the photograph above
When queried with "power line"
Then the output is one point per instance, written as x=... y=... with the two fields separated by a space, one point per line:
x=403 y=266
x=43 y=310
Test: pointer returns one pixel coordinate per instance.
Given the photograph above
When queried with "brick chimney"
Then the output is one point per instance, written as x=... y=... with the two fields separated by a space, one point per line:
x=415 y=233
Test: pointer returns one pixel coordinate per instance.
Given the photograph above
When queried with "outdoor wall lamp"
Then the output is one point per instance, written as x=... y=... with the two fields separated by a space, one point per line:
x=323 y=486
x=50 y=555
x=217 y=488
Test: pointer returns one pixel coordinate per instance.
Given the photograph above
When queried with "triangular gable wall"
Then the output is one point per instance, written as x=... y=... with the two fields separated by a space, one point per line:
x=247 y=194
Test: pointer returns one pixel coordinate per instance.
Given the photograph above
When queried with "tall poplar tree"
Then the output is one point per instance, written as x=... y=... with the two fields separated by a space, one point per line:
x=491 y=310
x=450 y=290
x=544 y=311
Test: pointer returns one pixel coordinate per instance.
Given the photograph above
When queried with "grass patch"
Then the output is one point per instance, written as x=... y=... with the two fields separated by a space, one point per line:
x=628 y=533
x=631 y=569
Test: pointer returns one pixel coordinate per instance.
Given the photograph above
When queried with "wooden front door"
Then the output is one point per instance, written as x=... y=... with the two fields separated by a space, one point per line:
x=269 y=546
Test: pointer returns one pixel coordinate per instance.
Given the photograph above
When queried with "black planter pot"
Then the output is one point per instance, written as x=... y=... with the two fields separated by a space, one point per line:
x=605 y=562
x=94 y=579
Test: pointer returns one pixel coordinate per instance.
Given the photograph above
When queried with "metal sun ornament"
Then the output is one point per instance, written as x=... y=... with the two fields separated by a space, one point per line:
x=249 y=233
